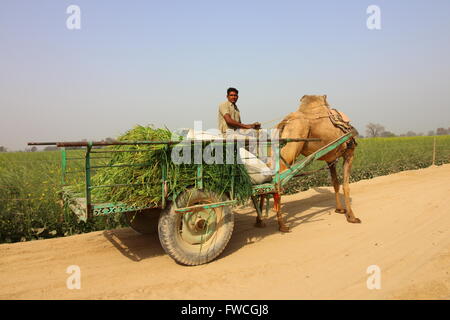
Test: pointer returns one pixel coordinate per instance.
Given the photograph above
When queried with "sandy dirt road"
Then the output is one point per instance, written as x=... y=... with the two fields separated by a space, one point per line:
x=405 y=231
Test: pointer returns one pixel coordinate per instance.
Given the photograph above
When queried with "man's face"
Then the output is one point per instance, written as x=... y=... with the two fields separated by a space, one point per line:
x=232 y=97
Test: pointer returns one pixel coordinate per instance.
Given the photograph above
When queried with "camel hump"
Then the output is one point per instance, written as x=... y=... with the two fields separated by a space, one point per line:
x=314 y=104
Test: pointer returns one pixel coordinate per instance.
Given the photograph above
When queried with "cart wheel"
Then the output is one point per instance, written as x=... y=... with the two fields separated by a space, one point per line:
x=198 y=237
x=144 y=221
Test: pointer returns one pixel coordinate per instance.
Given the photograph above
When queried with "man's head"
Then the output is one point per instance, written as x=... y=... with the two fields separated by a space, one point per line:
x=232 y=95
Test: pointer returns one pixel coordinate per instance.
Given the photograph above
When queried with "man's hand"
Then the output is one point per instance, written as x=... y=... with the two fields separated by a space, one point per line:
x=255 y=125
x=236 y=124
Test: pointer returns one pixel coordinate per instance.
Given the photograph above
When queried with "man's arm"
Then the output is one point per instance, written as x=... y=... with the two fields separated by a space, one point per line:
x=236 y=124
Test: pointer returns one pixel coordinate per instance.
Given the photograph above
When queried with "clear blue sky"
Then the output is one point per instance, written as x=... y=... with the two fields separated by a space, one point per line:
x=170 y=62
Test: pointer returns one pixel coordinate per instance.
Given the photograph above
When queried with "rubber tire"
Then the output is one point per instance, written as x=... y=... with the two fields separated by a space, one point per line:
x=183 y=252
x=145 y=221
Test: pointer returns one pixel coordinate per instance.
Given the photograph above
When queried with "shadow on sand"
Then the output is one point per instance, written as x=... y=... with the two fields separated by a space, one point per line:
x=245 y=233
x=138 y=247
x=134 y=245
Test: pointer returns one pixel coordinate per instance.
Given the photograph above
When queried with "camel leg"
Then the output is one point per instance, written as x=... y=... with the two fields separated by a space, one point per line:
x=336 y=185
x=348 y=160
x=277 y=207
x=259 y=222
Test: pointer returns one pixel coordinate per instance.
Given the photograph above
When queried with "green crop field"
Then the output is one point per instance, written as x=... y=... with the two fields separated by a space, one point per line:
x=382 y=156
x=29 y=183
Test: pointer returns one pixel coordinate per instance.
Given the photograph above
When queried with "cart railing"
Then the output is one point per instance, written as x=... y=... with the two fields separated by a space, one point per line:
x=85 y=208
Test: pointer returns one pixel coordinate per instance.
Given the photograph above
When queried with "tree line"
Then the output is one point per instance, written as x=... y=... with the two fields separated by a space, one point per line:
x=374 y=130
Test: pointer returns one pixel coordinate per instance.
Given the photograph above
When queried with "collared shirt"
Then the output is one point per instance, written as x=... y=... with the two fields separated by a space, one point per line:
x=232 y=110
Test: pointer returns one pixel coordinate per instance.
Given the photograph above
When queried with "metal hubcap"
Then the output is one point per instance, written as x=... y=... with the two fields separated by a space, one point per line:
x=198 y=227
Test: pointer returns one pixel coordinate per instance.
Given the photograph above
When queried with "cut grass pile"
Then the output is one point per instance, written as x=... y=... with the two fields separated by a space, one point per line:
x=143 y=168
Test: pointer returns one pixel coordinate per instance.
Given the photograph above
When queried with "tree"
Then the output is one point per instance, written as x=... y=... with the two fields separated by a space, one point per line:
x=431 y=133
x=441 y=131
x=50 y=148
x=387 y=134
x=2 y=149
x=411 y=134
x=374 y=130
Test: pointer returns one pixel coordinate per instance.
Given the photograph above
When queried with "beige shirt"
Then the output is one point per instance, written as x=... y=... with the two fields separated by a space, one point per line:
x=232 y=110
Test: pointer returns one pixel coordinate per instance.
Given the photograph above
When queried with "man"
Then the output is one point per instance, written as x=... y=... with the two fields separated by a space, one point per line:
x=229 y=116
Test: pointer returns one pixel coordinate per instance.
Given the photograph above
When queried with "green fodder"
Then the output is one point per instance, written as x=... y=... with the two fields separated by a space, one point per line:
x=145 y=172
x=145 y=179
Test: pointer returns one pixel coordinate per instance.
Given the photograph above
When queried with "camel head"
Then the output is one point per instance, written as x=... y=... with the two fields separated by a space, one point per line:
x=312 y=101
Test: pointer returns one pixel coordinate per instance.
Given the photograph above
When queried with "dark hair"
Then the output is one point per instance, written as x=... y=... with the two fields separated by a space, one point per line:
x=232 y=90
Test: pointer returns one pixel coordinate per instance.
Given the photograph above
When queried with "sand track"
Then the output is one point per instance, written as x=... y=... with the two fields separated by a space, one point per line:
x=405 y=231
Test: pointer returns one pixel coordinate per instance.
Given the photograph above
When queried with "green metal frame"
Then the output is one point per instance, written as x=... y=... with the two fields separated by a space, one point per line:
x=85 y=209
x=206 y=206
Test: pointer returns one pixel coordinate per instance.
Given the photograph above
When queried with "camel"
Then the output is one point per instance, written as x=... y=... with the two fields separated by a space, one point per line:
x=312 y=120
